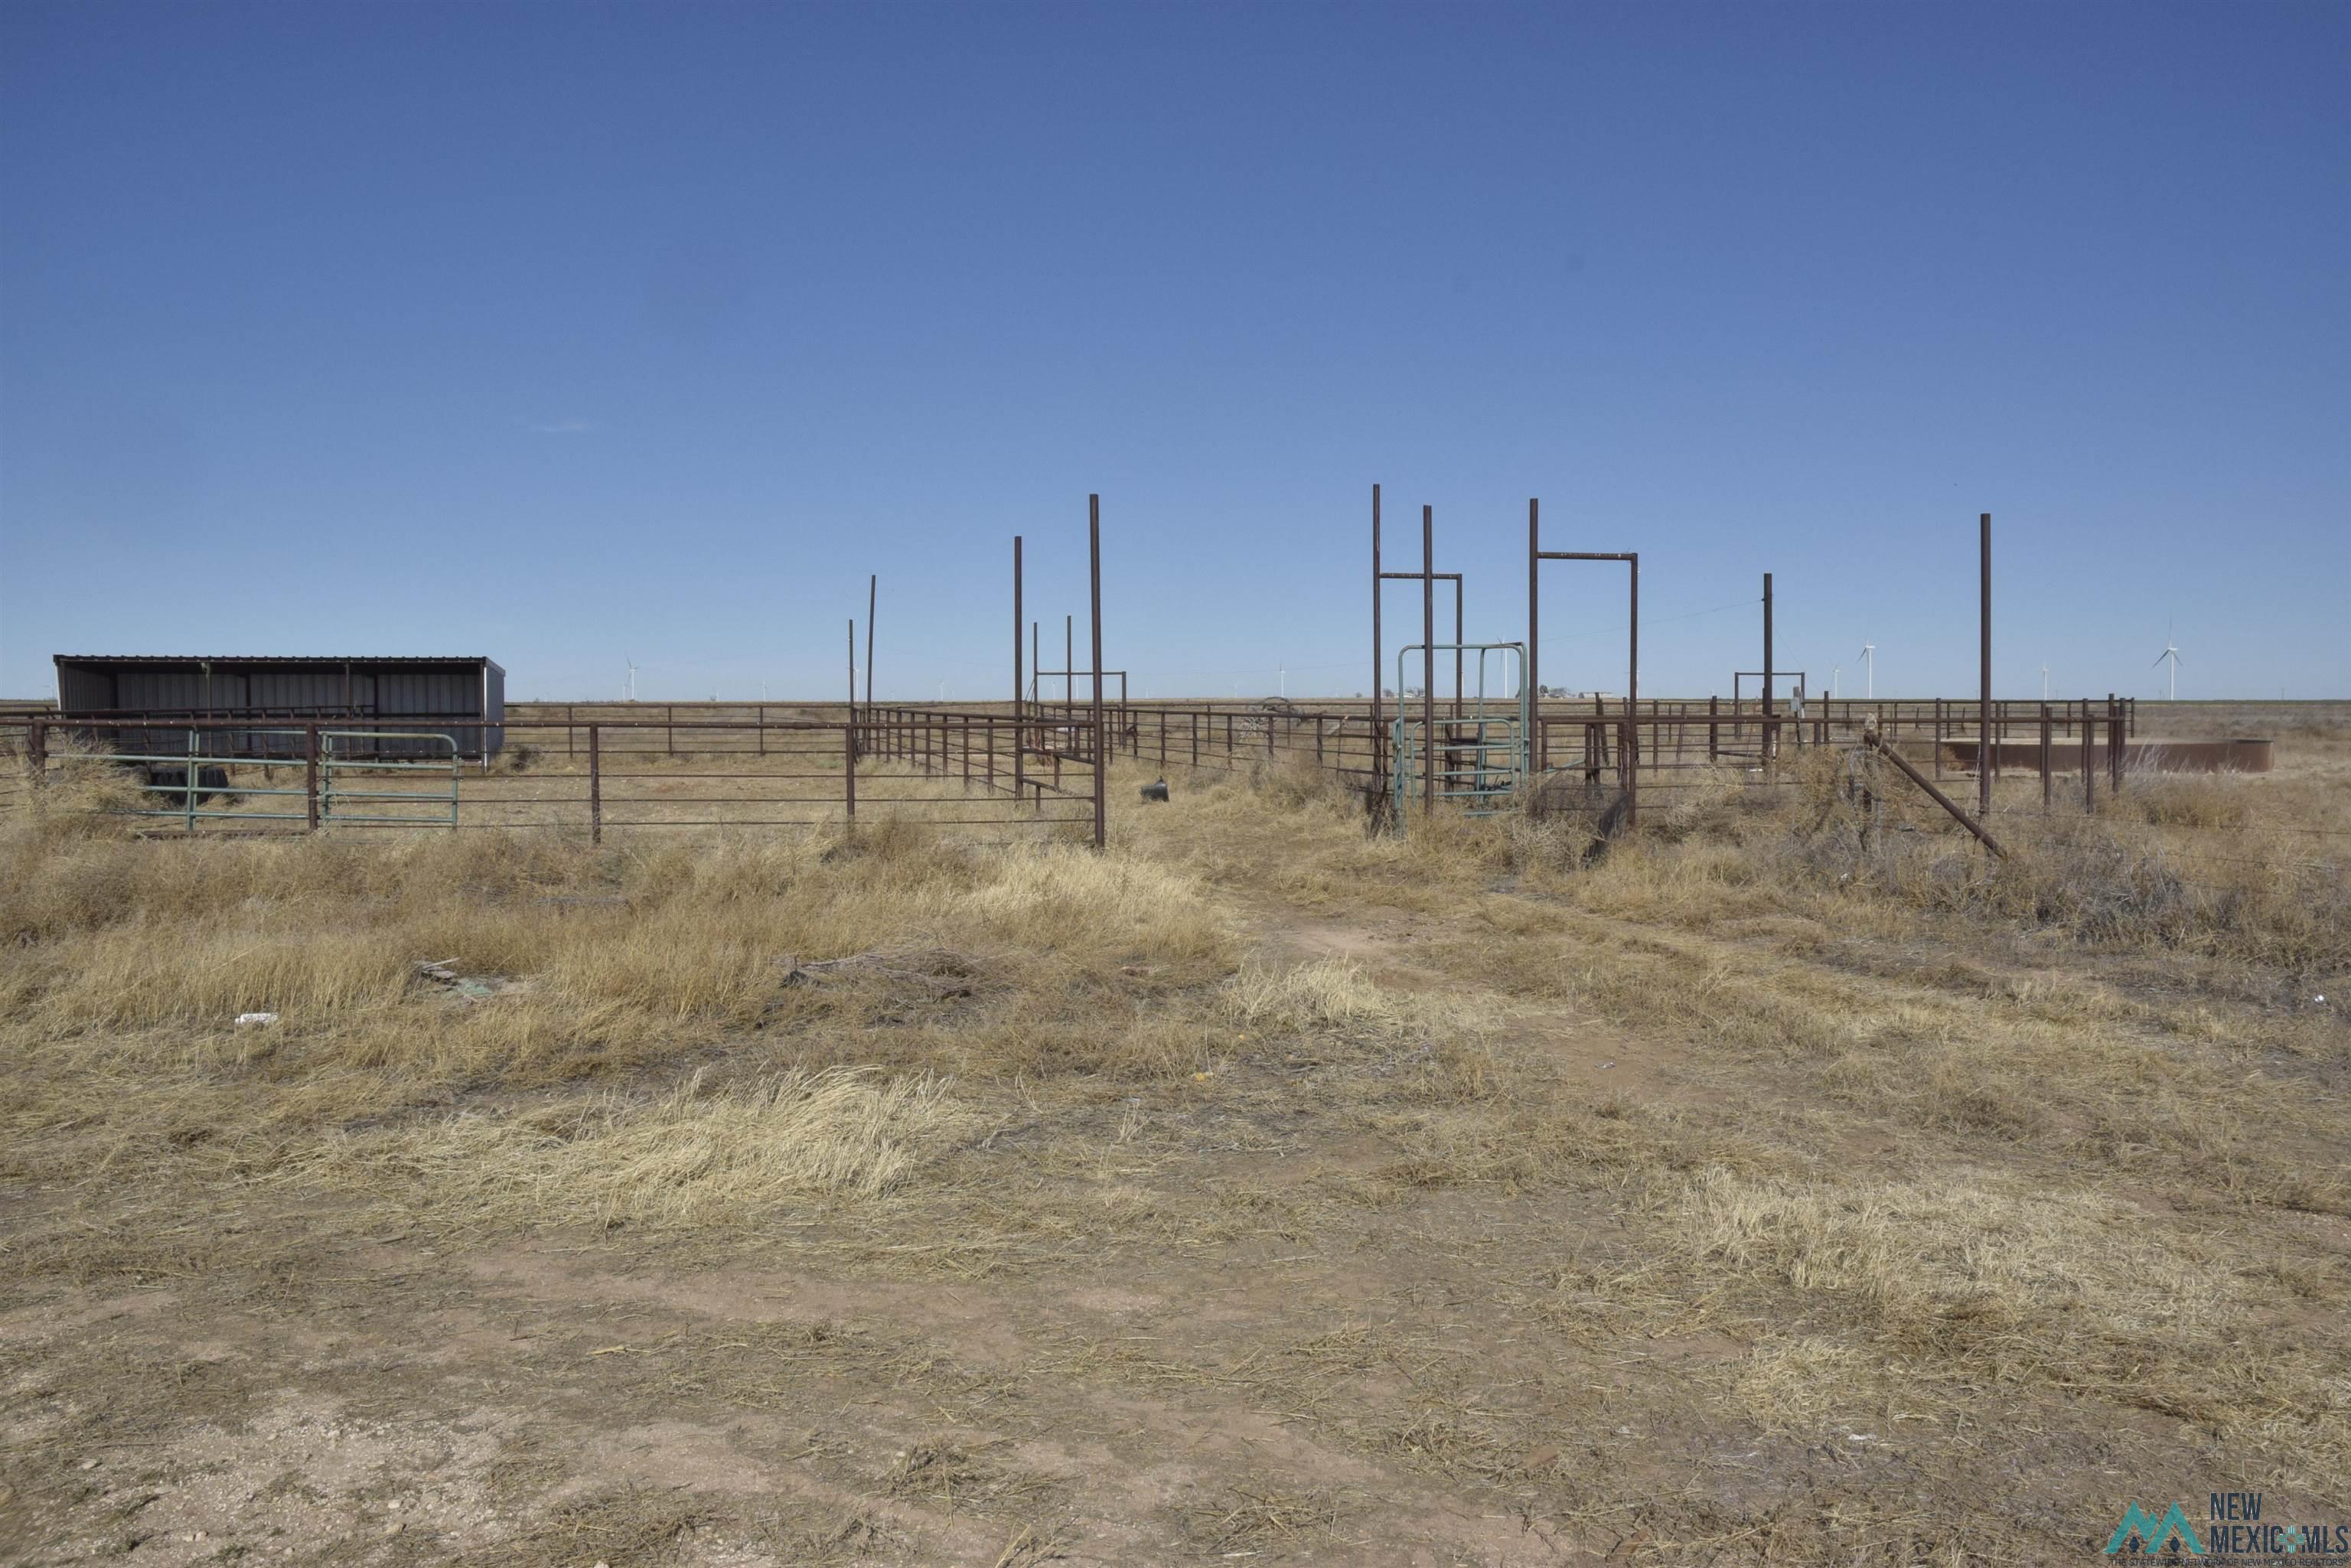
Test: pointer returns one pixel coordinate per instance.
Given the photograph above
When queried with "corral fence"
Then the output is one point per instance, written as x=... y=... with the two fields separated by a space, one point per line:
x=1027 y=774
x=604 y=767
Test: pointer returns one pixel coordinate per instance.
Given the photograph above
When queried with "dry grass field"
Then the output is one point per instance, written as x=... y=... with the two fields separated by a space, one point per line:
x=1261 y=1191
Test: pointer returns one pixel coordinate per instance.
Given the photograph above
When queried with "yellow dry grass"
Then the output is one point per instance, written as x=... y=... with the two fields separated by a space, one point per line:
x=1927 y=1144
x=695 y=1155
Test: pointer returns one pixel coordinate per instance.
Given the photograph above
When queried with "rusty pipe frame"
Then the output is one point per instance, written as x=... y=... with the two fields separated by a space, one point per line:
x=1454 y=579
x=1630 y=761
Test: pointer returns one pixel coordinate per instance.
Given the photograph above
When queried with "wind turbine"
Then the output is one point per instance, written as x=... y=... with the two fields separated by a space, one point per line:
x=1869 y=667
x=2170 y=652
x=2045 y=683
x=633 y=679
x=1834 y=671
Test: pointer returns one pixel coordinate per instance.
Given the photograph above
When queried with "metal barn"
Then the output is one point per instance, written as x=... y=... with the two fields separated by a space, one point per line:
x=461 y=697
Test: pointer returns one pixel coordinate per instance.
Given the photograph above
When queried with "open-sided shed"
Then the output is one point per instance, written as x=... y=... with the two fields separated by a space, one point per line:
x=277 y=690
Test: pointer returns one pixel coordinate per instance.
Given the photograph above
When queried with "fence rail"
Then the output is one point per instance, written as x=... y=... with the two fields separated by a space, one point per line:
x=1029 y=773
x=644 y=765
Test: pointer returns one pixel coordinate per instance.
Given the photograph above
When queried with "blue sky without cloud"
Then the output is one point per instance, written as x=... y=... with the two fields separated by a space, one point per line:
x=581 y=333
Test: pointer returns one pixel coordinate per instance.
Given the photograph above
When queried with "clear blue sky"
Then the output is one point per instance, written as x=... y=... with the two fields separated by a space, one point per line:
x=573 y=333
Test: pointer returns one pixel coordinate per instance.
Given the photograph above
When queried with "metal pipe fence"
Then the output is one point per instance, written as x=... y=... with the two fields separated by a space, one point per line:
x=943 y=769
x=612 y=766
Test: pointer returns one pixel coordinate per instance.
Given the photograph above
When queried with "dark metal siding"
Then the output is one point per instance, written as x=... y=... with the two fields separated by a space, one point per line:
x=276 y=692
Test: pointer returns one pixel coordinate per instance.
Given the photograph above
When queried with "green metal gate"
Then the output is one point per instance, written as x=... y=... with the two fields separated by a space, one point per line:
x=344 y=760
x=1482 y=754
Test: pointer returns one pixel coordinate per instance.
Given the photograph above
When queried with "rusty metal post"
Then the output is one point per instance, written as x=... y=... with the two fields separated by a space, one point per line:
x=310 y=773
x=595 y=788
x=1101 y=755
x=1195 y=738
x=1379 y=736
x=1428 y=660
x=2089 y=773
x=1713 y=730
x=1771 y=748
x=1945 y=802
x=1632 y=750
x=570 y=743
x=2047 y=787
x=1069 y=661
x=872 y=588
x=849 y=763
x=2114 y=747
x=1541 y=737
x=1019 y=719
x=1984 y=761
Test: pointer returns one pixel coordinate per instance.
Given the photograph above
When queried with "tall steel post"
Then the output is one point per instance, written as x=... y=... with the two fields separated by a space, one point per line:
x=1020 y=699
x=872 y=588
x=1428 y=660
x=1771 y=736
x=1983 y=682
x=1101 y=755
x=1534 y=560
x=1379 y=736
x=1632 y=744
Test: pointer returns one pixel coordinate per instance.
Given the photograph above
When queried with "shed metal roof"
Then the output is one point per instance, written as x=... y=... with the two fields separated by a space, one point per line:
x=272 y=659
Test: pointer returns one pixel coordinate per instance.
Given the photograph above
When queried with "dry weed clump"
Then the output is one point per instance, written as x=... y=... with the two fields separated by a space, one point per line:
x=1331 y=993
x=698 y=1155
x=2218 y=866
